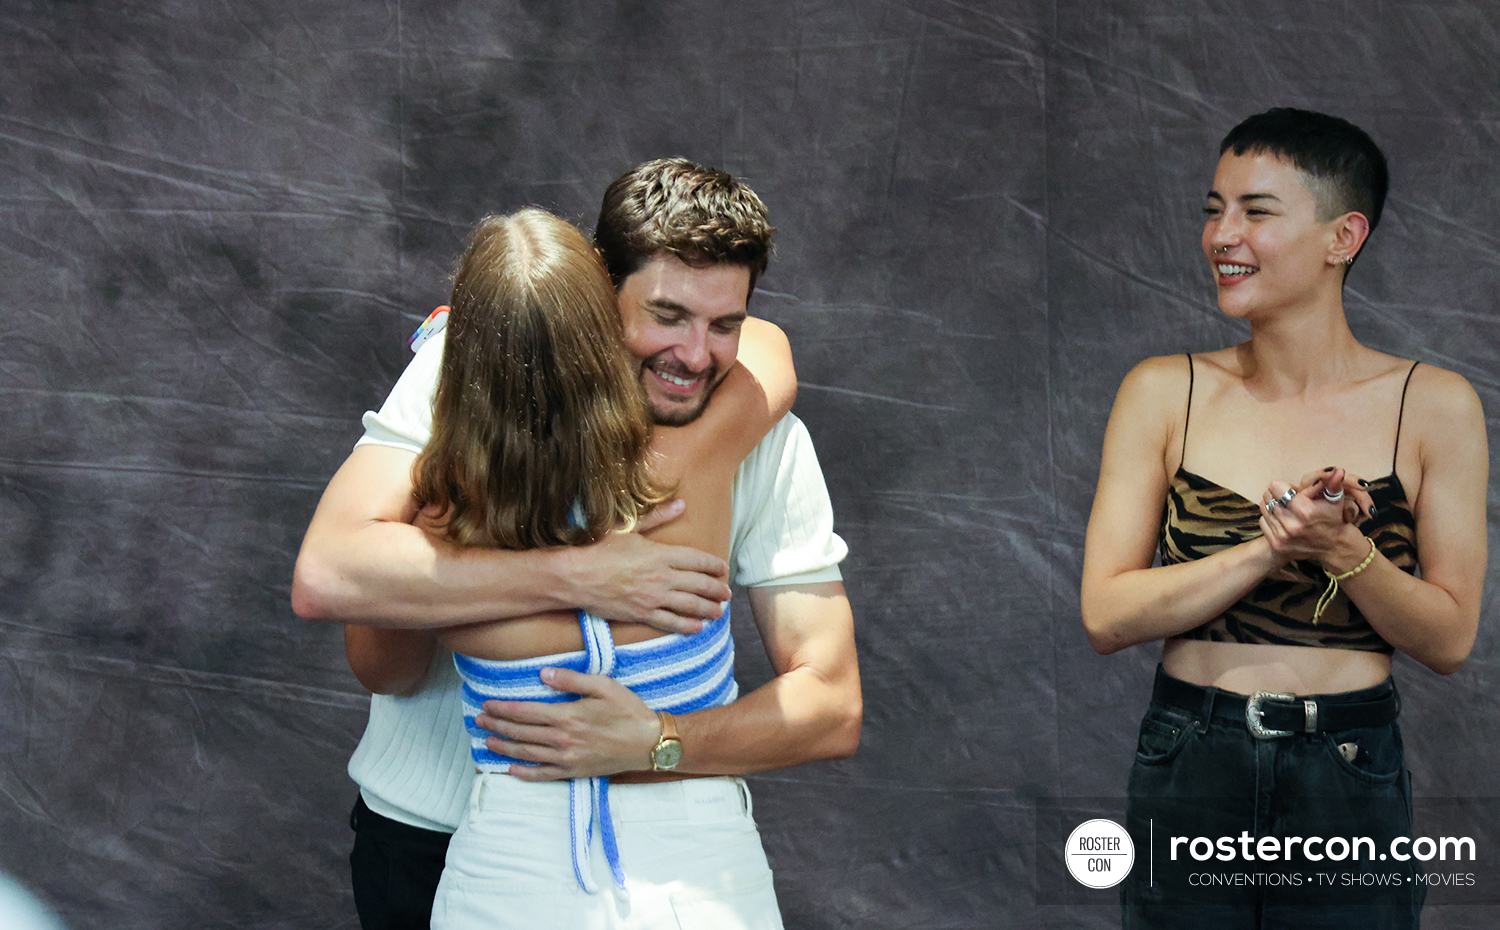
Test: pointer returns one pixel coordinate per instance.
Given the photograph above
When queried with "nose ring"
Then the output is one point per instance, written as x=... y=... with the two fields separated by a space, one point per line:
x=1220 y=249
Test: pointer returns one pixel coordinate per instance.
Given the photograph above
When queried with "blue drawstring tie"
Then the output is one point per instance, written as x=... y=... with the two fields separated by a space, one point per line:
x=599 y=644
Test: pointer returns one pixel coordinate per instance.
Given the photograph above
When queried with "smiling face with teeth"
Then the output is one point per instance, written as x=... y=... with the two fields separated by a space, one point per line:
x=682 y=326
x=1263 y=237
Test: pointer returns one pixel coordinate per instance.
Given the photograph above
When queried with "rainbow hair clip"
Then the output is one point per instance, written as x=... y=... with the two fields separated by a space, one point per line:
x=436 y=321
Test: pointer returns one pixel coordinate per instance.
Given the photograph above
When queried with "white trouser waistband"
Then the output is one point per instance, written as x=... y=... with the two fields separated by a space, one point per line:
x=689 y=800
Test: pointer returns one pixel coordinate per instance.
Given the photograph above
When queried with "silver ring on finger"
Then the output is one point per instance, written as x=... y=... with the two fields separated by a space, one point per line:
x=1288 y=497
x=1272 y=504
x=1333 y=498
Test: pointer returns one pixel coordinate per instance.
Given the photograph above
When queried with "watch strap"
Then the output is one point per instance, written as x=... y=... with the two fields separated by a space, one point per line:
x=668 y=736
x=668 y=725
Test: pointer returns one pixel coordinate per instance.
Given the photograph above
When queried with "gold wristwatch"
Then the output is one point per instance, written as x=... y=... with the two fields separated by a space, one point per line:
x=668 y=750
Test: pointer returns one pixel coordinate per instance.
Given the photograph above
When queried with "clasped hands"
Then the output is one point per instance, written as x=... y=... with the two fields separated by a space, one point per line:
x=1317 y=519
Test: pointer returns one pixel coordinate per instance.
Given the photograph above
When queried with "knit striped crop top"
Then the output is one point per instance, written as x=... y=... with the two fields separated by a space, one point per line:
x=675 y=673
x=1203 y=517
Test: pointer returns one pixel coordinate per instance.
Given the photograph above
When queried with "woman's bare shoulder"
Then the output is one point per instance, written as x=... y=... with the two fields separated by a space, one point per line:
x=1157 y=380
x=1441 y=400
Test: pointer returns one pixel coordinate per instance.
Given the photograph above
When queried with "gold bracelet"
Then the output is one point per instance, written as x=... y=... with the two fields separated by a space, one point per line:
x=1333 y=582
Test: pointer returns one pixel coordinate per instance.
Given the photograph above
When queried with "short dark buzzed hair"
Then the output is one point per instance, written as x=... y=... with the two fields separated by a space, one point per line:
x=703 y=216
x=1340 y=155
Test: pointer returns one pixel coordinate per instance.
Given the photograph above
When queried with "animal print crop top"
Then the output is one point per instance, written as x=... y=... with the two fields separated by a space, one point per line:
x=1203 y=518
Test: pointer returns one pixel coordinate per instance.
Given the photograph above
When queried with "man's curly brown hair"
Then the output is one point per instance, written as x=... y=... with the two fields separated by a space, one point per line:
x=701 y=215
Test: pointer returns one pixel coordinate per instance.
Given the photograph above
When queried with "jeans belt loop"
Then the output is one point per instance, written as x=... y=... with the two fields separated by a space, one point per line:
x=1206 y=715
x=1253 y=714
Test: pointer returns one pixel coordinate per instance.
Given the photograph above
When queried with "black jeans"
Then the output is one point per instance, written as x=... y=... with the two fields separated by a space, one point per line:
x=395 y=868
x=1203 y=793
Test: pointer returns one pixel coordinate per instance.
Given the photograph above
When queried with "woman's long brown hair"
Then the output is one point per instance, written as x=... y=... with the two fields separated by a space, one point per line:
x=540 y=431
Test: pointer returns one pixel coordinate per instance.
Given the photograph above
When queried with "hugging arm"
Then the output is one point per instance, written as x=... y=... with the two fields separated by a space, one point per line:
x=389 y=661
x=364 y=561
x=766 y=356
x=811 y=710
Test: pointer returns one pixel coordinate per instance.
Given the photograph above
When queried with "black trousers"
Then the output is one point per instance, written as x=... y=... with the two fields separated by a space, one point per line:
x=1200 y=775
x=395 y=868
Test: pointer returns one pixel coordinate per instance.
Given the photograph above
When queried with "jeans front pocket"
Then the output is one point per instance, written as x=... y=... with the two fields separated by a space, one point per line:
x=1371 y=756
x=1162 y=735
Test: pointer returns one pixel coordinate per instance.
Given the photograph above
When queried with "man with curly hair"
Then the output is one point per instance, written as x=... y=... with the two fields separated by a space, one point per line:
x=684 y=245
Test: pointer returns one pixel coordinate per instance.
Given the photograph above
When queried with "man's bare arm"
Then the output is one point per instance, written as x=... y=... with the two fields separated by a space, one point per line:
x=812 y=710
x=363 y=561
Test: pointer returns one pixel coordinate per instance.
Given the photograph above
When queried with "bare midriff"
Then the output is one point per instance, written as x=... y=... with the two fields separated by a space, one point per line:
x=1245 y=668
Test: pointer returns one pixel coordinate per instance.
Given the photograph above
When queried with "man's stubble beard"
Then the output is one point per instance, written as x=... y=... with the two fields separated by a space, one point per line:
x=678 y=417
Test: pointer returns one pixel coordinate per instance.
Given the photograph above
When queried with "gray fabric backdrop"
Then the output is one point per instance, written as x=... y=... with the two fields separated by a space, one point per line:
x=221 y=220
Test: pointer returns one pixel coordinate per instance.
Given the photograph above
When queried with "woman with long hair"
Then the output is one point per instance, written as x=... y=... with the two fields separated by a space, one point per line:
x=541 y=437
x=1317 y=506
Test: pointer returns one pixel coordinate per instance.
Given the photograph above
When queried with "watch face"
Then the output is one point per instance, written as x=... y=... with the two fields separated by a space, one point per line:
x=667 y=754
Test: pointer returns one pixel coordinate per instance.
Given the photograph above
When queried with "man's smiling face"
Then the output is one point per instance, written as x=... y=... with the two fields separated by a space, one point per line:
x=682 y=327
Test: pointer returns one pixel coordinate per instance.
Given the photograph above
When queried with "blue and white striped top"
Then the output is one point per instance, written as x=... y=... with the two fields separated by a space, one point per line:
x=675 y=673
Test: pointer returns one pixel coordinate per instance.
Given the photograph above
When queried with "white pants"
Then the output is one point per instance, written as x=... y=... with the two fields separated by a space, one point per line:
x=690 y=850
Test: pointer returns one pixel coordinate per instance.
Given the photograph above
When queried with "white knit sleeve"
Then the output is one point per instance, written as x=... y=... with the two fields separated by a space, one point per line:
x=783 y=520
x=405 y=419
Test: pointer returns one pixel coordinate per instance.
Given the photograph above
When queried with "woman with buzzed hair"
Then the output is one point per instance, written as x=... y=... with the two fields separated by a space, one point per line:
x=1292 y=484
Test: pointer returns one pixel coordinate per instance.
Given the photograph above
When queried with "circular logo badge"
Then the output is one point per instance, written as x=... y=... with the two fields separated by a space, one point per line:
x=1099 y=853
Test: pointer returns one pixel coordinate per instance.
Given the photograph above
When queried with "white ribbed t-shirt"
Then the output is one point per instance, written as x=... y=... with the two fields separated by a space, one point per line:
x=412 y=763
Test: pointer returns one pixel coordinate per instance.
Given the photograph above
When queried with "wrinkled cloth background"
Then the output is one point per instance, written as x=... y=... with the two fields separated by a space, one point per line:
x=220 y=221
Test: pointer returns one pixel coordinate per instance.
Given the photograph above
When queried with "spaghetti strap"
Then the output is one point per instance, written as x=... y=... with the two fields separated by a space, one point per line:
x=1401 y=415
x=1182 y=459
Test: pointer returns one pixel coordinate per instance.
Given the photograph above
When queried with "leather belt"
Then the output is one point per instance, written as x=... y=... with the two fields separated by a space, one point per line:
x=1269 y=714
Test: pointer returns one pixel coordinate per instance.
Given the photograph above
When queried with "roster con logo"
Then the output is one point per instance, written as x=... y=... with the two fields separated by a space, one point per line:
x=1099 y=853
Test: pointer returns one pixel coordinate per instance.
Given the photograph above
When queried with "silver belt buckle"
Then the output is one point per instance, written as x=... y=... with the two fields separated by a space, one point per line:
x=1253 y=714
